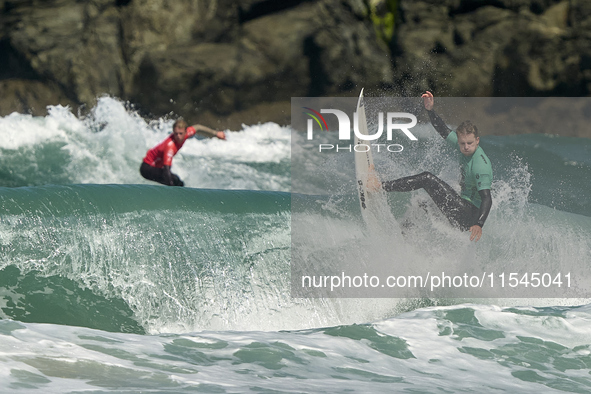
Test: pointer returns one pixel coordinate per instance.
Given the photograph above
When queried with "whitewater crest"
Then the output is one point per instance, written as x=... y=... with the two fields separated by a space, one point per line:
x=107 y=145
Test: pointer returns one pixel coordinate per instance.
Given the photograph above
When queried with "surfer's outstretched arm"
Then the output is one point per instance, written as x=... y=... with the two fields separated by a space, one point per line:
x=436 y=121
x=439 y=124
x=207 y=132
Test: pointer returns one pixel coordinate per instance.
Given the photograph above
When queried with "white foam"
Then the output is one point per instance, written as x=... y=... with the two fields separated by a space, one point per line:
x=263 y=143
x=17 y=131
x=420 y=350
x=107 y=146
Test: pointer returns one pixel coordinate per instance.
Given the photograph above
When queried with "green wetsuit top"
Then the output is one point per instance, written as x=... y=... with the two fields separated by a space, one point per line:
x=476 y=172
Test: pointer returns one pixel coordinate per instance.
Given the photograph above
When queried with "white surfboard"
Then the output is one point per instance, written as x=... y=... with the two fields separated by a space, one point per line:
x=363 y=160
x=374 y=204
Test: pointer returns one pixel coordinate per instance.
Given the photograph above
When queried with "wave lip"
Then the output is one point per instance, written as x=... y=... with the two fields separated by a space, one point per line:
x=61 y=200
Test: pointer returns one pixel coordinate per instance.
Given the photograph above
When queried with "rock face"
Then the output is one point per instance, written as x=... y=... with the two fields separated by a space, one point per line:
x=185 y=56
x=494 y=47
x=234 y=61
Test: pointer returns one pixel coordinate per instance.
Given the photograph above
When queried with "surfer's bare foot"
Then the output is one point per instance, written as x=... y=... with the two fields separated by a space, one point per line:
x=373 y=183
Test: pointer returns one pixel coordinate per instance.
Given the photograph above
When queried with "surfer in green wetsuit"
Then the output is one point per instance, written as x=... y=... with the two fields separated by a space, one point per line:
x=469 y=209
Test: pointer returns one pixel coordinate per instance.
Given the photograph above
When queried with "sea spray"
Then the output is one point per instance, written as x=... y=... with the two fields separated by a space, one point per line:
x=107 y=147
x=110 y=270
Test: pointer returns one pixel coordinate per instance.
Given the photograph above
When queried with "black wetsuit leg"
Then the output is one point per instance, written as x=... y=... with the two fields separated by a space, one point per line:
x=177 y=181
x=151 y=173
x=157 y=175
x=460 y=212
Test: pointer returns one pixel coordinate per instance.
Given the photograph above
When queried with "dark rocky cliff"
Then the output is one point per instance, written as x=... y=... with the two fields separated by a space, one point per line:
x=185 y=56
x=232 y=61
x=495 y=47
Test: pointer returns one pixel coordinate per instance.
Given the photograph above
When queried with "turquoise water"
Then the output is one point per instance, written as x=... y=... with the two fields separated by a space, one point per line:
x=111 y=284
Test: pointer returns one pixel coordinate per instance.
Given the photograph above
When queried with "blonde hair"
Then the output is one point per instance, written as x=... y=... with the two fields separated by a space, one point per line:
x=179 y=122
x=467 y=127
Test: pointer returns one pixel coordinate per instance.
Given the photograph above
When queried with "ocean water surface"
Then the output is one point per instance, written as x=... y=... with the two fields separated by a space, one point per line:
x=112 y=284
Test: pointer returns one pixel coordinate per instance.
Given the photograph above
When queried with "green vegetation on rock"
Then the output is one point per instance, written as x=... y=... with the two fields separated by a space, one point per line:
x=383 y=17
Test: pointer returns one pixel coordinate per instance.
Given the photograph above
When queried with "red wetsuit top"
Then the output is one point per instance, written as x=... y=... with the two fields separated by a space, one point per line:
x=161 y=155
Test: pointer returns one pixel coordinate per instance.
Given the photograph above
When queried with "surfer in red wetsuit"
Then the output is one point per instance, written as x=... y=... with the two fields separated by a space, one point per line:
x=158 y=160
